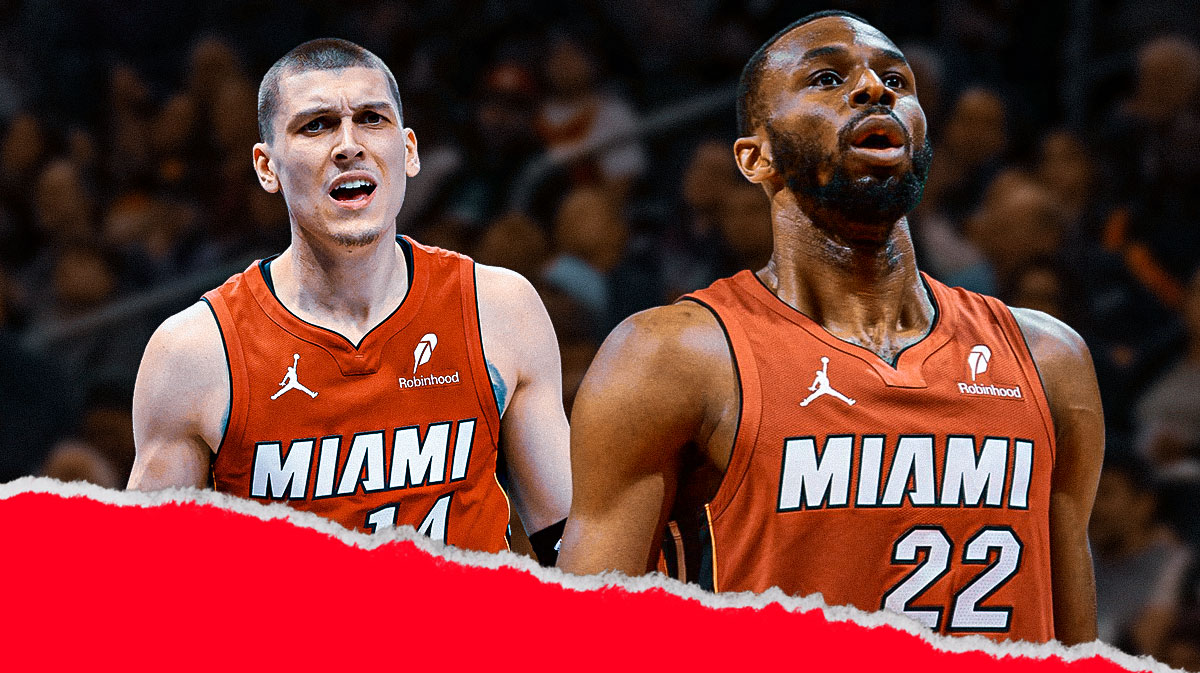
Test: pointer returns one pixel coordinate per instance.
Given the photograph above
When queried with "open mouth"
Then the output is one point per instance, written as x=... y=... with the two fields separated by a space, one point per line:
x=878 y=133
x=352 y=190
x=876 y=141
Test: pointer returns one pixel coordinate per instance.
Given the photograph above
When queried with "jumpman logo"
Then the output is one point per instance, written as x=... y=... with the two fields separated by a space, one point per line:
x=289 y=381
x=820 y=386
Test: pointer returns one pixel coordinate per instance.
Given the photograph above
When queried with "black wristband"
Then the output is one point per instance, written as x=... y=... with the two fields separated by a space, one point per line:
x=545 y=543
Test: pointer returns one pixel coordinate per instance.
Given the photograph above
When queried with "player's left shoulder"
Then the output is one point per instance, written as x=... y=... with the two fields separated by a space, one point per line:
x=504 y=291
x=1063 y=362
x=1052 y=342
x=512 y=318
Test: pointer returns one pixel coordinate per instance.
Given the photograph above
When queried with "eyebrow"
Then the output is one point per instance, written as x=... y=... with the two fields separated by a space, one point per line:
x=333 y=109
x=834 y=50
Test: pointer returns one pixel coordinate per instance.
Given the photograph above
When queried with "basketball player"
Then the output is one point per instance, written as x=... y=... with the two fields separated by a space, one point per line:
x=837 y=422
x=358 y=375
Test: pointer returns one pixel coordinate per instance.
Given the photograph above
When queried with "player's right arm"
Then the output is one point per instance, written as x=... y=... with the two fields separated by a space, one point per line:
x=644 y=401
x=180 y=402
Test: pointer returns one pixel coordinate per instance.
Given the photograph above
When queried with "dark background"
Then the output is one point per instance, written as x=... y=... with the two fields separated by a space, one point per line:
x=1067 y=154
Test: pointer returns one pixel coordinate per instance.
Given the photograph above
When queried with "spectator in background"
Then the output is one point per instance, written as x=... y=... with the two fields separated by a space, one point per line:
x=577 y=113
x=1016 y=223
x=745 y=223
x=1181 y=646
x=102 y=450
x=71 y=460
x=693 y=241
x=515 y=242
x=1038 y=285
x=590 y=235
x=64 y=213
x=969 y=153
x=1168 y=413
x=1066 y=168
x=1153 y=144
x=930 y=70
x=173 y=141
x=35 y=400
x=1139 y=563
x=500 y=143
x=129 y=126
x=22 y=154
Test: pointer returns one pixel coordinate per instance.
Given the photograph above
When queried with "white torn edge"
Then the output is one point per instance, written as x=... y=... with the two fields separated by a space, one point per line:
x=508 y=559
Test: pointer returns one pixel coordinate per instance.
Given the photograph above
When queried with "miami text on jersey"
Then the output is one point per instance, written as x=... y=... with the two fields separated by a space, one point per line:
x=972 y=475
x=413 y=462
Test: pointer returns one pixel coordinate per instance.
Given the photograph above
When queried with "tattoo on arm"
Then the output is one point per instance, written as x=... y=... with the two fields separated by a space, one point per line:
x=498 y=386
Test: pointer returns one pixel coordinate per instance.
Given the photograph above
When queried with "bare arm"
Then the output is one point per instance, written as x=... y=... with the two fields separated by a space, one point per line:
x=1066 y=369
x=180 y=402
x=645 y=399
x=526 y=371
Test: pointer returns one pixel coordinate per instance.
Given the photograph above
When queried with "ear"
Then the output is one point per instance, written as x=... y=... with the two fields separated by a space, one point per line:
x=412 y=161
x=753 y=157
x=264 y=168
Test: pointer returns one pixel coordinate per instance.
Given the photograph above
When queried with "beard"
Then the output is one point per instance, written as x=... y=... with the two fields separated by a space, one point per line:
x=868 y=205
x=357 y=239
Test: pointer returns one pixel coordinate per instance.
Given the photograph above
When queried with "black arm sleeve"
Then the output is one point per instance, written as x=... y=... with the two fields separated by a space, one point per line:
x=545 y=543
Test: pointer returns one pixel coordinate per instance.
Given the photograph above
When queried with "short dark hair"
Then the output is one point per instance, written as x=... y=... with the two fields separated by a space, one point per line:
x=749 y=111
x=326 y=53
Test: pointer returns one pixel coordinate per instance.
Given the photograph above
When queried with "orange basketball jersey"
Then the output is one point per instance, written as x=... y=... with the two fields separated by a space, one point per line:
x=920 y=487
x=401 y=428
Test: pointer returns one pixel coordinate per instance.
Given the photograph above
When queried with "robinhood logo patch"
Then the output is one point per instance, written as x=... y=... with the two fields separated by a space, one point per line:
x=977 y=364
x=424 y=350
x=421 y=355
x=990 y=391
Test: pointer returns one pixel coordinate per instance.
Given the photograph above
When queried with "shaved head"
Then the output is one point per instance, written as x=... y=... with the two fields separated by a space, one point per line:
x=327 y=53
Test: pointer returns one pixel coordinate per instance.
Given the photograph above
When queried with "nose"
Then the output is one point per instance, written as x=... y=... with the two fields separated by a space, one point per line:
x=347 y=146
x=870 y=91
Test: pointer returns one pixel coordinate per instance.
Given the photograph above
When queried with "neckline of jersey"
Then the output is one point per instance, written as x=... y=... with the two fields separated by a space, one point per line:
x=341 y=341
x=902 y=371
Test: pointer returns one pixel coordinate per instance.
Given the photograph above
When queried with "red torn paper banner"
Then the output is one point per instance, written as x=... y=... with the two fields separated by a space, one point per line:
x=101 y=580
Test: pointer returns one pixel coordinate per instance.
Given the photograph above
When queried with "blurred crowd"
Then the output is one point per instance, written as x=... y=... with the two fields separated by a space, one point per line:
x=1066 y=154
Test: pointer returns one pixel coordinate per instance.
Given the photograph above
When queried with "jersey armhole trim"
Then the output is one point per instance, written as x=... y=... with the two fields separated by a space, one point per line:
x=229 y=373
x=488 y=403
x=1043 y=399
x=745 y=433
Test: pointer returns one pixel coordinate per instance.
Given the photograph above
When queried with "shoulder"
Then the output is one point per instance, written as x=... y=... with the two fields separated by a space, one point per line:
x=518 y=337
x=503 y=289
x=682 y=346
x=510 y=309
x=184 y=374
x=666 y=371
x=1052 y=342
x=681 y=329
x=186 y=353
x=1064 y=364
x=190 y=334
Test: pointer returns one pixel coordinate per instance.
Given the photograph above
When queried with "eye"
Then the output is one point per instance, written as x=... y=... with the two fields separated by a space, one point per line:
x=316 y=125
x=370 y=117
x=827 y=78
x=893 y=81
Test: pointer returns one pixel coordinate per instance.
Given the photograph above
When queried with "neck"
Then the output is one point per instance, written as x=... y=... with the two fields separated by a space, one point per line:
x=346 y=289
x=869 y=294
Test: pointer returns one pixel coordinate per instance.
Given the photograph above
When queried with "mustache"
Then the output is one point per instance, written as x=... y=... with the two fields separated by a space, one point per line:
x=872 y=111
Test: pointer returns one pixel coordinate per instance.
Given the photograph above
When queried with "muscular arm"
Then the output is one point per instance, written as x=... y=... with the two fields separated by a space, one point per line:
x=180 y=402
x=526 y=371
x=1066 y=369
x=645 y=399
